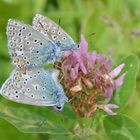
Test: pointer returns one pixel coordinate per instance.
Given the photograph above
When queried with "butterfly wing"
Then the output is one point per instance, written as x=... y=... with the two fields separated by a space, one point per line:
x=28 y=47
x=52 y=31
x=36 y=87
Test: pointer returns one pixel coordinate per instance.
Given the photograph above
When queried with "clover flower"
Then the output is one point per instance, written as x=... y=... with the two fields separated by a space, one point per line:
x=88 y=81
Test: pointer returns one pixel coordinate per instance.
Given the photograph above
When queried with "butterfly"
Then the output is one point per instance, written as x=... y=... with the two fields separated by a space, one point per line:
x=30 y=48
x=35 y=87
x=52 y=31
x=33 y=46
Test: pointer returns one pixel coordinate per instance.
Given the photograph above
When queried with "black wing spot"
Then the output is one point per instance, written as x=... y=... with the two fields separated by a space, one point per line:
x=32 y=95
x=28 y=62
x=25 y=83
x=29 y=34
x=16 y=96
x=35 y=75
x=59 y=32
x=53 y=31
x=16 y=91
x=27 y=42
x=64 y=38
x=43 y=97
x=36 y=87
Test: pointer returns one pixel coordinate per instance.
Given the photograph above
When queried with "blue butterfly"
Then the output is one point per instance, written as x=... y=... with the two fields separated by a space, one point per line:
x=45 y=42
x=35 y=87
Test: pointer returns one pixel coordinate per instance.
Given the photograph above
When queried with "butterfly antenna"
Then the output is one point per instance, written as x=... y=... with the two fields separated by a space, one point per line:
x=42 y=26
x=91 y=34
x=61 y=78
x=71 y=99
x=59 y=21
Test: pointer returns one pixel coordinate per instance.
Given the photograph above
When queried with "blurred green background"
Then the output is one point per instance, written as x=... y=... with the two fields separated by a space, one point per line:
x=116 y=24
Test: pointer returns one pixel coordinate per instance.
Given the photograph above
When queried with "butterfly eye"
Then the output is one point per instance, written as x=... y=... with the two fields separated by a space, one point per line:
x=58 y=108
x=78 y=46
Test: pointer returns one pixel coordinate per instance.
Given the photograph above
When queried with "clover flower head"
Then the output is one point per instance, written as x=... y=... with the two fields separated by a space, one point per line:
x=88 y=80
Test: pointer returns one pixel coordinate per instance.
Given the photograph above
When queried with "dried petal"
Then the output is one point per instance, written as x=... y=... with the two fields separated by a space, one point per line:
x=88 y=83
x=76 y=88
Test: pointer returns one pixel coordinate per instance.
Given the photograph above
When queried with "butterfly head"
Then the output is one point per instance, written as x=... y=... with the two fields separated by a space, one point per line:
x=61 y=100
x=60 y=105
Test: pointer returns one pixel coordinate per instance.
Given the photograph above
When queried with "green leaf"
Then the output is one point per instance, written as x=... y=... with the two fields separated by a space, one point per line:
x=30 y=122
x=8 y=132
x=121 y=127
x=61 y=138
x=131 y=69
